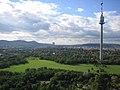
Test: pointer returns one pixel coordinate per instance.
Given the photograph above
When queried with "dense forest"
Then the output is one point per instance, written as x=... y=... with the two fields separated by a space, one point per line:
x=74 y=56
x=8 y=60
x=56 y=79
x=77 y=55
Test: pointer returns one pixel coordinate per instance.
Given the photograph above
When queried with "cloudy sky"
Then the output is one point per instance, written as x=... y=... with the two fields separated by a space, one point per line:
x=59 y=21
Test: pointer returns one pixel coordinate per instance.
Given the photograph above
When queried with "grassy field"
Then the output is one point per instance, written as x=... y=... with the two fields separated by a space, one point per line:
x=50 y=64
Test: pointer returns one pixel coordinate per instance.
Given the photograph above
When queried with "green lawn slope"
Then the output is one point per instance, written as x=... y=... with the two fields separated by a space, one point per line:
x=113 y=69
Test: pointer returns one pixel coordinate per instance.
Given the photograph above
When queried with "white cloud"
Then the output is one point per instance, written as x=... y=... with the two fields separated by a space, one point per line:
x=41 y=33
x=69 y=7
x=16 y=35
x=80 y=9
x=4 y=1
x=35 y=20
x=28 y=15
x=112 y=20
x=35 y=7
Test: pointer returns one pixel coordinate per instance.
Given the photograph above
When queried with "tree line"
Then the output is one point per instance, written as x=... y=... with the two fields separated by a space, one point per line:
x=57 y=79
x=77 y=55
x=62 y=55
x=8 y=60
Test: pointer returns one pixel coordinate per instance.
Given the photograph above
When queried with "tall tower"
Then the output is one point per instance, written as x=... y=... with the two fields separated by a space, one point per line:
x=101 y=35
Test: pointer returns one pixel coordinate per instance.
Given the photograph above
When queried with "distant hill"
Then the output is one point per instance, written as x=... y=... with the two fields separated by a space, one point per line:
x=22 y=44
x=34 y=44
x=98 y=45
x=91 y=45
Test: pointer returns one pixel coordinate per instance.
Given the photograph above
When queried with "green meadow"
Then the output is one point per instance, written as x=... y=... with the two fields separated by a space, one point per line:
x=113 y=69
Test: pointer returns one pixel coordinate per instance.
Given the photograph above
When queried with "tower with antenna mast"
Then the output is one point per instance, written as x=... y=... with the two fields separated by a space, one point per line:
x=101 y=34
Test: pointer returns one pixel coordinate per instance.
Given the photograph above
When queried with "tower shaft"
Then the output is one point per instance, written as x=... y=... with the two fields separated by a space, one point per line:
x=101 y=44
x=101 y=34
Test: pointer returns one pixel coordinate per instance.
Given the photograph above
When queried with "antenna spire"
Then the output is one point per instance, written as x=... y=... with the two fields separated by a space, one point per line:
x=102 y=6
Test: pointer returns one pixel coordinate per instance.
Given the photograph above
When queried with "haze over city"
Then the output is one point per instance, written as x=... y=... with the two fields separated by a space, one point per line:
x=59 y=21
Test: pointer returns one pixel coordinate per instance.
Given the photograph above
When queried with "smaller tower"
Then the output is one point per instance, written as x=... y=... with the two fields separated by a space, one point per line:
x=53 y=43
x=101 y=35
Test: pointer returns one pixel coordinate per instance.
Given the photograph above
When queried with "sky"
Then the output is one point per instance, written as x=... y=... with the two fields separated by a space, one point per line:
x=60 y=21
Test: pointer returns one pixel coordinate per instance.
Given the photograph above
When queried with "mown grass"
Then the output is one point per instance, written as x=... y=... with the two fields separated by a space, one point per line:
x=113 y=69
